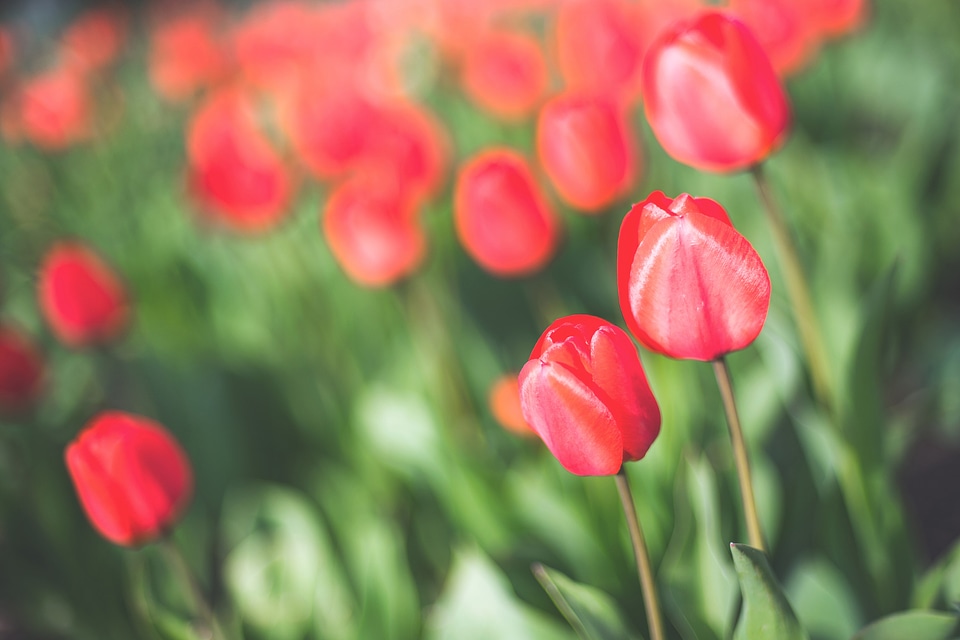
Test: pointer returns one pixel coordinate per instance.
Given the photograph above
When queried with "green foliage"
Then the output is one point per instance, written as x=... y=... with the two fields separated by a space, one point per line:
x=922 y=625
x=765 y=612
x=592 y=613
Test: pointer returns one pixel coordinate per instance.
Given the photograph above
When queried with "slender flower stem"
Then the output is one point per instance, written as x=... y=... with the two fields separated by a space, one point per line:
x=754 y=533
x=179 y=566
x=647 y=584
x=799 y=292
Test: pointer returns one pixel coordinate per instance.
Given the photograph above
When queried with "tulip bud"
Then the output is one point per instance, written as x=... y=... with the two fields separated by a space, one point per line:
x=501 y=217
x=373 y=231
x=21 y=370
x=505 y=73
x=81 y=297
x=586 y=149
x=54 y=110
x=585 y=394
x=504 y=401
x=781 y=28
x=690 y=285
x=711 y=95
x=132 y=477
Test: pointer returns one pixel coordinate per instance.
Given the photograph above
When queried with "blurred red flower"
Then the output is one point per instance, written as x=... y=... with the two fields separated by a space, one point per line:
x=504 y=401
x=82 y=299
x=505 y=73
x=132 y=477
x=373 y=231
x=711 y=95
x=94 y=40
x=21 y=370
x=235 y=175
x=690 y=286
x=502 y=219
x=834 y=18
x=51 y=110
x=187 y=53
x=587 y=150
x=585 y=394
x=781 y=28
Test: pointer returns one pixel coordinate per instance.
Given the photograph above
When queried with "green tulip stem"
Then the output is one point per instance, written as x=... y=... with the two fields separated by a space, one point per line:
x=798 y=291
x=724 y=382
x=647 y=584
x=178 y=565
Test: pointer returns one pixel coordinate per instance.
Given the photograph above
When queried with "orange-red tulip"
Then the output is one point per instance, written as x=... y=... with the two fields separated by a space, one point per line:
x=81 y=297
x=21 y=370
x=585 y=394
x=690 y=286
x=505 y=73
x=132 y=477
x=781 y=29
x=187 y=54
x=54 y=110
x=94 y=40
x=835 y=17
x=587 y=150
x=504 y=401
x=373 y=232
x=711 y=95
x=502 y=219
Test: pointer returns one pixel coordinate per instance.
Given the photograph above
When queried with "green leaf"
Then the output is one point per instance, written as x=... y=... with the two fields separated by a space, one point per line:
x=591 y=612
x=766 y=612
x=916 y=625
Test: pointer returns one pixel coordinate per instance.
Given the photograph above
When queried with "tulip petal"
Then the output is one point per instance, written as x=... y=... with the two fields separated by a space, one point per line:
x=573 y=422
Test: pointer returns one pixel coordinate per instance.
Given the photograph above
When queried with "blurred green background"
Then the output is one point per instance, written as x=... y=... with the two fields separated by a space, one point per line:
x=351 y=482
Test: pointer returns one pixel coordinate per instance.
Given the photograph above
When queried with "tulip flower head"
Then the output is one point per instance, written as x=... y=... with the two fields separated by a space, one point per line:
x=585 y=394
x=502 y=219
x=132 y=477
x=81 y=297
x=586 y=149
x=690 y=285
x=504 y=401
x=505 y=73
x=21 y=370
x=712 y=96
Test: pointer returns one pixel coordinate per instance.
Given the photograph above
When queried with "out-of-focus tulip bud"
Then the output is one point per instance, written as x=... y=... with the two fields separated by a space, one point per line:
x=587 y=150
x=94 y=40
x=834 y=18
x=711 y=95
x=599 y=47
x=690 y=285
x=187 y=54
x=501 y=217
x=132 y=477
x=585 y=394
x=235 y=175
x=54 y=110
x=373 y=231
x=21 y=370
x=8 y=51
x=504 y=403
x=81 y=297
x=781 y=29
x=505 y=73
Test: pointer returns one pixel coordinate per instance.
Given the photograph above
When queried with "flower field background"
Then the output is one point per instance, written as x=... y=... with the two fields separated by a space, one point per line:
x=311 y=297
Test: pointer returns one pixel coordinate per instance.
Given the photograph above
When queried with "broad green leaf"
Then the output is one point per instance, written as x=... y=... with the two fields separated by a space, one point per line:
x=592 y=613
x=766 y=612
x=915 y=625
x=823 y=600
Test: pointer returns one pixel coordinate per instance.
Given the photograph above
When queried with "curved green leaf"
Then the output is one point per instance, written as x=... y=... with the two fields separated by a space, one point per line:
x=766 y=612
x=916 y=625
x=591 y=612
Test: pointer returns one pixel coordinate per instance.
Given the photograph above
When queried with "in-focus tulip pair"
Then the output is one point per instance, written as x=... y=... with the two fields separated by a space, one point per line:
x=21 y=370
x=711 y=95
x=585 y=394
x=690 y=285
x=502 y=219
x=81 y=297
x=132 y=477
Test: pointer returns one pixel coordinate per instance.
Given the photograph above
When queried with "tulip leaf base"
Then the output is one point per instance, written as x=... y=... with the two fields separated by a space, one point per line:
x=916 y=625
x=591 y=612
x=766 y=612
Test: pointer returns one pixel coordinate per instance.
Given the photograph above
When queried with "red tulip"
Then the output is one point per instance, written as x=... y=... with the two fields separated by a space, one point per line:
x=54 y=110
x=690 y=286
x=373 y=231
x=81 y=297
x=587 y=150
x=132 y=477
x=834 y=17
x=21 y=370
x=504 y=400
x=711 y=95
x=599 y=47
x=94 y=40
x=186 y=54
x=781 y=29
x=235 y=175
x=505 y=73
x=8 y=51
x=585 y=394
x=502 y=219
